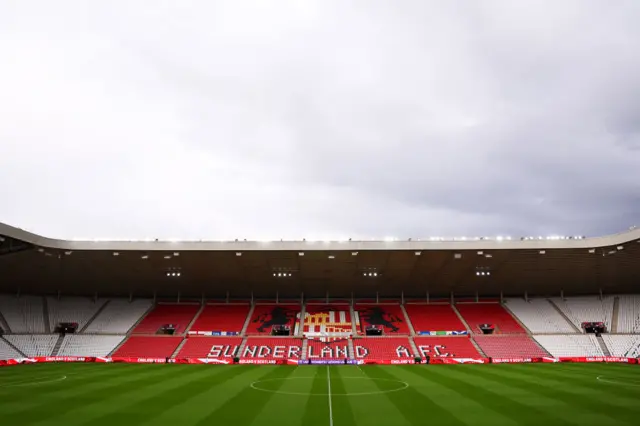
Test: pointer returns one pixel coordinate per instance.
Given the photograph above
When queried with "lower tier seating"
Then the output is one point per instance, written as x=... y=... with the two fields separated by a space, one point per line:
x=221 y=318
x=382 y=348
x=178 y=315
x=539 y=316
x=388 y=317
x=623 y=345
x=489 y=313
x=148 y=347
x=88 y=345
x=34 y=344
x=446 y=347
x=338 y=349
x=7 y=352
x=510 y=347
x=427 y=318
x=577 y=345
x=210 y=347
x=270 y=348
x=119 y=315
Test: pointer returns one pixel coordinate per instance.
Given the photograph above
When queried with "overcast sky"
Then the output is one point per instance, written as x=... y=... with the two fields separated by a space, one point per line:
x=319 y=119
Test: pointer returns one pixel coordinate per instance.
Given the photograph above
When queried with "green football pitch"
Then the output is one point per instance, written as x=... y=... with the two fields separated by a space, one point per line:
x=186 y=395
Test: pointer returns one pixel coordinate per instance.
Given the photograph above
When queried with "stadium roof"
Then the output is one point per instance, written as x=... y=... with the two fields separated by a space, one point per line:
x=545 y=266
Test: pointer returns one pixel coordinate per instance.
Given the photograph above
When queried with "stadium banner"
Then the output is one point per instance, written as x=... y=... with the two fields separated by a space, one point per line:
x=514 y=360
x=257 y=361
x=64 y=359
x=459 y=360
x=139 y=360
x=600 y=359
x=443 y=333
x=327 y=362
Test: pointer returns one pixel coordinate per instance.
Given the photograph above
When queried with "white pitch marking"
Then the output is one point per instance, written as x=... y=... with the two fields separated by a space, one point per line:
x=613 y=382
x=31 y=383
x=329 y=390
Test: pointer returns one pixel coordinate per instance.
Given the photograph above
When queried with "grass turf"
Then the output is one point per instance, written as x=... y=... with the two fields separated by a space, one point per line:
x=187 y=395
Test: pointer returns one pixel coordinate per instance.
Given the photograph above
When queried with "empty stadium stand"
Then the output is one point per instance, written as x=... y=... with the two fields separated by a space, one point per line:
x=382 y=348
x=221 y=318
x=338 y=349
x=72 y=310
x=429 y=318
x=272 y=348
x=119 y=316
x=33 y=344
x=88 y=345
x=569 y=345
x=24 y=314
x=539 y=316
x=266 y=316
x=489 y=313
x=510 y=346
x=148 y=347
x=162 y=314
x=210 y=347
x=446 y=347
x=623 y=345
x=389 y=317
x=7 y=352
x=629 y=314
x=586 y=309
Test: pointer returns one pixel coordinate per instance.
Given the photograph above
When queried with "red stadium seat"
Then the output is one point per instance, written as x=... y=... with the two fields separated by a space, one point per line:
x=221 y=318
x=178 y=315
x=210 y=347
x=446 y=347
x=382 y=348
x=148 y=347
x=338 y=349
x=272 y=348
x=434 y=318
x=389 y=317
x=510 y=347
x=489 y=313
x=265 y=317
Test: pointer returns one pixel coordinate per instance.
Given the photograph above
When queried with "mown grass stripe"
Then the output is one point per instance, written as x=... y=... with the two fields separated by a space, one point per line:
x=242 y=409
x=457 y=378
x=48 y=406
x=593 y=407
x=315 y=411
x=415 y=407
x=342 y=410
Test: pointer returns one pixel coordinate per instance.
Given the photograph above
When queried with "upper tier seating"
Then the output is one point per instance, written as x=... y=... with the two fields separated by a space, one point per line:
x=327 y=350
x=382 y=348
x=433 y=318
x=24 y=314
x=389 y=317
x=34 y=344
x=623 y=345
x=210 y=347
x=628 y=314
x=570 y=345
x=178 y=315
x=270 y=348
x=266 y=316
x=72 y=309
x=510 y=347
x=88 y=345
x=489 y=313
x=446 y=347
x=119 y=315
x=539 y=316
x=587 y=309
x=223 y=318
x=7 y=352
x=148 y=347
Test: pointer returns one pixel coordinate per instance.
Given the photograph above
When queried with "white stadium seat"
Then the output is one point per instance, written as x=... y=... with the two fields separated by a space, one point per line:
x=629 y=314
x=570 y=345
x=587 y=309
x=72 y=309
x=88 y=345
x=119 y=316
x=7 y=352
x=623 y=345
x=23 y=314
x=34 y=344
x=539 y=316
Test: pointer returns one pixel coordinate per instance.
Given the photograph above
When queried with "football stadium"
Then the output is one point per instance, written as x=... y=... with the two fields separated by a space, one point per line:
x=513 y=331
